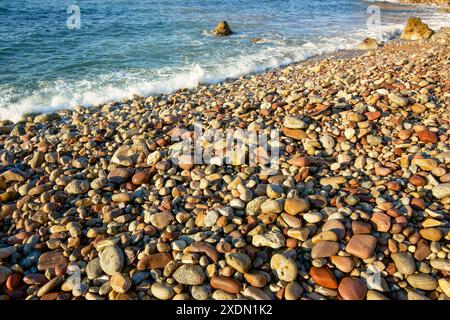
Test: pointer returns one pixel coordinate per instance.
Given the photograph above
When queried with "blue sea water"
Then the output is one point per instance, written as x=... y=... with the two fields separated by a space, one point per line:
x=127 y=47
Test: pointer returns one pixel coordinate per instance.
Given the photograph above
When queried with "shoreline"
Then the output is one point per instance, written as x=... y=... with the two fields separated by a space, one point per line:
x=358 y=208
x=193 y=77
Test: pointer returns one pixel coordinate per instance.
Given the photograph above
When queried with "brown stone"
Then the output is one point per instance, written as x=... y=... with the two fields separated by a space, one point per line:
x=432 y=234
x=323 y=277
x=52 y=259
x=351 y=288
x=361 y=246
x=324 y=249
x=226 y=284
x=422 y=250
x=296 y=134
x=381 y=221
x=345 y=264
x=427 y=136
x=417 y=180
x=295 y=206
x=361 y=227
x=119 y=175
x=205 y=248
x=335 y=226
x=154 y=261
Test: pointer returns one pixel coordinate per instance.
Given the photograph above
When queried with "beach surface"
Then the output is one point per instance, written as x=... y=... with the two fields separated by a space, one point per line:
x=95 y=203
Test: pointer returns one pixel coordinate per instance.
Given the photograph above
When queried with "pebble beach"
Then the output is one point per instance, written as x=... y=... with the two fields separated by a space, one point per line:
x=92 y=206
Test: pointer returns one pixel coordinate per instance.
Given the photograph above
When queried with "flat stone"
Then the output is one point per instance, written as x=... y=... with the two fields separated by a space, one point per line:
x=293 y=291
x=335 y=226
x=440 y=264
x=323 y=277
x=324 y=249
x=119 y=175
x=226 y=284
x=444 y=284
x=272 y=206
x=272 y=239
x=351 y=288
x=253 y=293
x=345 y=264
x=77 y=187
x=93 y=269
x=52 y=259
x=335 y=182
x=294 y=123
x=7 y=252
x=256 y=279
x=427 y=136
x=161 y=219
x=381 y=221
x=189 y=274
x=441 y=190
x=361 y=246
x=283 y=267
x=154 y=261
x=401 y=101
x=422 y=281
x=120 y=283
x=111 y=260
x=404 y=262
x=425 y=164
x=295 y=206
x=432 y=234
x=162 y=290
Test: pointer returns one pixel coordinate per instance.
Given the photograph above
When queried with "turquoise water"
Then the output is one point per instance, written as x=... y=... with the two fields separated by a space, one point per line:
x=127 y=47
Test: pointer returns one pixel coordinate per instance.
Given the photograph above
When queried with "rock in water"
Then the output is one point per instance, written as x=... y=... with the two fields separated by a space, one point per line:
x=222 y=29
x=415 y=29
x=368 y=44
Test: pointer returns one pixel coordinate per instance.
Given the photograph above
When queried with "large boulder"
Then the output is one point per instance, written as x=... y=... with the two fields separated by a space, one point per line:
x=222 y=29
x=368 y=44
x=415 y=29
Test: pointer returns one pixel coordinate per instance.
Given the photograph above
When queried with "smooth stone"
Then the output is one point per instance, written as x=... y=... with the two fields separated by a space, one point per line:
x=189 y=274
x=93 y=269
x=323 y=277
x=162 y=290
x=226 y=284
x=295 y=206
x=253 y=293
x=120 y=283
x=422 y=281
x=440 y=264
x=324 y=249
x=239 y=261
x=404 y=262
x=293 y=291
x=52 y=259
x=361 y=246
x=441 y=190
x=351 y=288
x=111 y=260
x=154 y=261
x=77 y=187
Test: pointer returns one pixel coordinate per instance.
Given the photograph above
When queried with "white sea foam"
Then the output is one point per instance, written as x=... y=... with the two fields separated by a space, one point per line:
x=116 y=86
